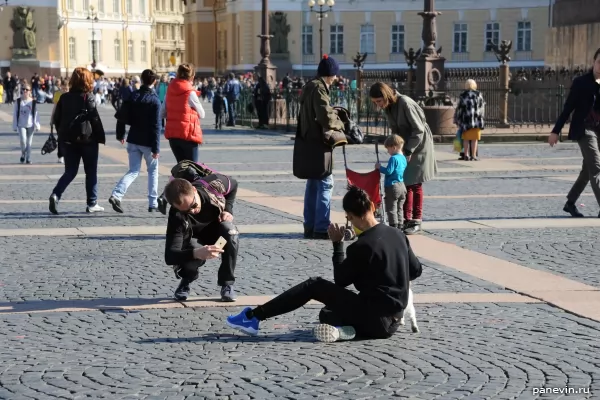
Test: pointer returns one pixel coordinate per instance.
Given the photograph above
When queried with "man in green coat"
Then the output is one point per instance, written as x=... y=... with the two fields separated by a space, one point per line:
x=318 y=123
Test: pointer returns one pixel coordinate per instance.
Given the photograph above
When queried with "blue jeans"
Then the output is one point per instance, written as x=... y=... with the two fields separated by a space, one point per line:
x=136 y=152
x=317 y=204
x=231 y=112
x=74 y=154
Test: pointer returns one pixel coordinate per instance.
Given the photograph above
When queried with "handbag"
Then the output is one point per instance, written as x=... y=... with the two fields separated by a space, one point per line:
x=51 y=143
x=80 y=128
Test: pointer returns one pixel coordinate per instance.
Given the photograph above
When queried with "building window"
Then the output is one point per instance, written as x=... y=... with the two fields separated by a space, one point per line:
x=367 y=39
x=129 y=7
x=117 y=50
x=71 y=48
x=524 y=36
x=173 y=32
x=95 y=46
x=181 y=34
x=142 y=7
x=397 y=38
x=117 y=6
x=70 y=5
x=101 y=6
x=307 y=39
x=336 y=39
x=172 y=5
x=130 y=50
x=461 y=33
x=86 y=5
x=492 y=34
x=157 y=4
x=143 y=51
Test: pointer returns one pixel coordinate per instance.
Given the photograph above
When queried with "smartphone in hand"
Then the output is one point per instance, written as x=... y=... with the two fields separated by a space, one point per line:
x=221 y=242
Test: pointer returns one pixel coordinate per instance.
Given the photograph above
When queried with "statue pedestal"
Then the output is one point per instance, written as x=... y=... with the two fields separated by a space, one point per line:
x=25 y=68
x=283 y=64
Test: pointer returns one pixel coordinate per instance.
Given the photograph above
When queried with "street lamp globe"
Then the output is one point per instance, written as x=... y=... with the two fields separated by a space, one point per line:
x=321 y=2
x=330 y=3
x=311 y=3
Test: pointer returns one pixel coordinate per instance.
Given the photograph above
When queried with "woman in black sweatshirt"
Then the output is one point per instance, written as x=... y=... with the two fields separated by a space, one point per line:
x=380 y=265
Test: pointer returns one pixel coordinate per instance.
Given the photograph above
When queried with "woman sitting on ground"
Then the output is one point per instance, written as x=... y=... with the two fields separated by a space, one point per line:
x=380 y=265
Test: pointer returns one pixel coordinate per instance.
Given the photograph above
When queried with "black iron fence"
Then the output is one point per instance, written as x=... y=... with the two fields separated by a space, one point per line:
x=528 y=107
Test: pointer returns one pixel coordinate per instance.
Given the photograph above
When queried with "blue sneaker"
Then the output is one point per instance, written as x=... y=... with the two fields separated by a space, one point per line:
x=241 y=323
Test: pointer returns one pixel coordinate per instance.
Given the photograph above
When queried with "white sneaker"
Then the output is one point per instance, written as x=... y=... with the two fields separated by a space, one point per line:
x=329 y=333
x=95 y=208
x=61 y=160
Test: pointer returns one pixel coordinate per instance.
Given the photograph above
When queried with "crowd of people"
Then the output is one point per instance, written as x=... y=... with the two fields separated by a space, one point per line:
x=200 y=207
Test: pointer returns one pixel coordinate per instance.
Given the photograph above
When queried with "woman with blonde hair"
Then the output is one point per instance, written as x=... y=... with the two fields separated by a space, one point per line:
x=80 y=132
x=407 y=119
x=469 y=118
x=26 y=121
x=182 y=111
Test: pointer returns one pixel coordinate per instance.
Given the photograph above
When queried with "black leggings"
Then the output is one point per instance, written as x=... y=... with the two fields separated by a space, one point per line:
x=209 y=236
x=342 y=308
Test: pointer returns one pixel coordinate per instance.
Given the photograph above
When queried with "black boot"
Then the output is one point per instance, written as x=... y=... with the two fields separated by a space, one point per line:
x=414 y=228
x=308 y=233
x=571 y=208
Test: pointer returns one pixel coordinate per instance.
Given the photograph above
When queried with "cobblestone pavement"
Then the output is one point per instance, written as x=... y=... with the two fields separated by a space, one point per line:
x=468 y=351
x=464 y=350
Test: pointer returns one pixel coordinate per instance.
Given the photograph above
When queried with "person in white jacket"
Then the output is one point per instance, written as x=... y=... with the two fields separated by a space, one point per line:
x=26 y=121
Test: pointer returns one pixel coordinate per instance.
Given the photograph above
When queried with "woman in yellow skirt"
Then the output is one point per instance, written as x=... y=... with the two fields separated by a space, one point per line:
x=469 y=118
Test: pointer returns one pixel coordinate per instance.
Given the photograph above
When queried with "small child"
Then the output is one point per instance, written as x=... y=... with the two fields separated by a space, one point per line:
x=395 y=191
x=219 y=108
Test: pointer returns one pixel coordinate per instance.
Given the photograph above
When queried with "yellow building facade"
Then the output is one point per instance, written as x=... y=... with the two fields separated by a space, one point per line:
x=116 y=32
x=168 y=35
x=225 y=33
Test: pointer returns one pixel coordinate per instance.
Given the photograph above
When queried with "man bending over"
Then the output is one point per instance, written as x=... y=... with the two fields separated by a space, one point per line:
x=201 y=213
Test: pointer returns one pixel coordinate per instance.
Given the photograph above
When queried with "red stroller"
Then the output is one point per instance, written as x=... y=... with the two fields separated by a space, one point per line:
x=370 y=182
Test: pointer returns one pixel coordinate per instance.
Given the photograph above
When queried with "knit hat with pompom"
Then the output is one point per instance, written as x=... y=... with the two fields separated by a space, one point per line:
x=328 y=67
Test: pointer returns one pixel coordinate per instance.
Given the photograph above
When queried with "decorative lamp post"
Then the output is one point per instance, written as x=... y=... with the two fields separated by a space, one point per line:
x=265 y=67
x=93 y=16
x=321 y=13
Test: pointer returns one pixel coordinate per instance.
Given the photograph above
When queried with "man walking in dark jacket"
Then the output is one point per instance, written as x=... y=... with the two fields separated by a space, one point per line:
x=142 y=113
x=10 y=84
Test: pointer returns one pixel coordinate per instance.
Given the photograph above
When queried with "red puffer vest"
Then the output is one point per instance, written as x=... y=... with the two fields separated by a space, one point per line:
x=183 y=121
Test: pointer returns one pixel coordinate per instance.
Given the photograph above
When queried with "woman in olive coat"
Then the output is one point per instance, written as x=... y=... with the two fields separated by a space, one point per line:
x=407 y=119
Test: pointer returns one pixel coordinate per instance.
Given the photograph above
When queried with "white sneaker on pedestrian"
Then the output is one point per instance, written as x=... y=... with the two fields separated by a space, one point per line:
x=95 y=208
x=61 y=160
x=329 y=333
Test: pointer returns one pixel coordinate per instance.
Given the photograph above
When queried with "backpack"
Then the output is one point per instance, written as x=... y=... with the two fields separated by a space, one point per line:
x=197 y=172
x=352 y=131
x=79 y=129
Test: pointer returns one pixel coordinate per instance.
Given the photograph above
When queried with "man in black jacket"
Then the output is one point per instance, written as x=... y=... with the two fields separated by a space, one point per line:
x=583 y=103
x=10 y=84
x=201 y=213
x=142 y=113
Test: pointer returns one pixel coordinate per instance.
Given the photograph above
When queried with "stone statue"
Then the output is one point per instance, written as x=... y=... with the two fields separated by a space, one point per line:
x=24 y=29
x=279 y=28
x=502 y=52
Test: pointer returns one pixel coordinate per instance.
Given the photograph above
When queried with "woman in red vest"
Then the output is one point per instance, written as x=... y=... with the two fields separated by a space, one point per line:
x=182 y=111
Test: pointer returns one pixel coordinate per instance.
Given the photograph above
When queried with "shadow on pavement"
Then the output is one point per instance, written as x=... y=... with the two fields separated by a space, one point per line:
x=290 y=336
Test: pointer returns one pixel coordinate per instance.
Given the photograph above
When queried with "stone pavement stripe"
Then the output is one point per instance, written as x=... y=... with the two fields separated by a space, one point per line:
x=48 y=165
x=131 y=304
x=301 y=198
x=542 y=223
x=575 y=297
